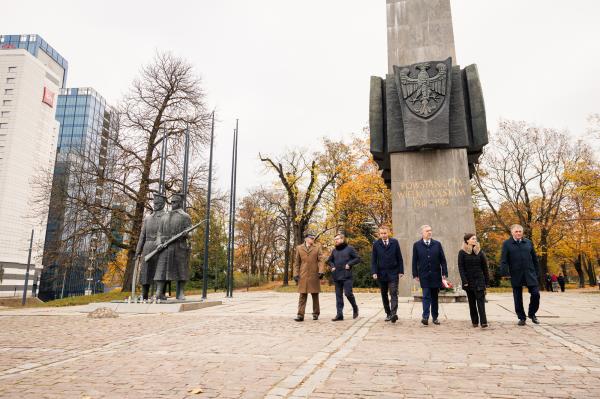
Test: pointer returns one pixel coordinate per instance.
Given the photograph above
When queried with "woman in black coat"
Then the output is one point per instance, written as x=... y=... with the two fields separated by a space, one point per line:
x=473 y=269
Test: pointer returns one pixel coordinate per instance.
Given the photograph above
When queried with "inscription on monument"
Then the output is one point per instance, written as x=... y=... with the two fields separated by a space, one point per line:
x=431 y=193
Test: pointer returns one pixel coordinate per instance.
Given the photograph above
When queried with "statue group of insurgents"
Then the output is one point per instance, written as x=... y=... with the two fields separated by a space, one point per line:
x=172 y=262
x=429 y=269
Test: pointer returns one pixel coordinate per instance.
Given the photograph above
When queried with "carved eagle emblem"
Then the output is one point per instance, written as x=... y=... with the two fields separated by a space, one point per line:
x=424 y=94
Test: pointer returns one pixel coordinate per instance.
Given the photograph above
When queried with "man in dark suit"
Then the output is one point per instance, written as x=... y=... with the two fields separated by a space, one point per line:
x=342 y=259
x=387 y=267
x=428 y=267
x=520 y=261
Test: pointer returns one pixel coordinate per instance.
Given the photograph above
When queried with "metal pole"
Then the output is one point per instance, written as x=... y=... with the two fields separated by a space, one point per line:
x=186 y=161
x=27 y=271
x=233 y=207
x=163 y=163
x=229 y=232
x=207 y=228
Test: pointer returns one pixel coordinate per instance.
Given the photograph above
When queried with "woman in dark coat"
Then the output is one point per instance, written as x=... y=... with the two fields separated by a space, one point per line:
x=473 y=269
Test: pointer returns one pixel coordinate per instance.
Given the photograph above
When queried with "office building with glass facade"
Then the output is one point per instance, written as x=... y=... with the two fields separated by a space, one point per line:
x=87 y=124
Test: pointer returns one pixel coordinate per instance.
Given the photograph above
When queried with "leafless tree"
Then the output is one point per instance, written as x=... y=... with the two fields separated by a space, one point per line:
x=277 y=199
x=164 y=100
x=317 y=173
x=521 y=178
x=258 y=234
x=167 y=97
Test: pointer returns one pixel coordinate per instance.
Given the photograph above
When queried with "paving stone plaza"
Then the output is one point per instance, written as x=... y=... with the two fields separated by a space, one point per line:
x=250 y=347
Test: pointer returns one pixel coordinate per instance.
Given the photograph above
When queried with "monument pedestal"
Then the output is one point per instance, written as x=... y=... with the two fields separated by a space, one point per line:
x=431 y=187
x=444 y=297
x=168 y=306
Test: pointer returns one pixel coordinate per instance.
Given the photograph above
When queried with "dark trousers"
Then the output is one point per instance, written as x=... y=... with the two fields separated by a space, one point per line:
x=477 y=306
x=392 y=288
x=430 y=301
x=534 y=301
x=302 y=303
x=344 y=287
x=562 y=287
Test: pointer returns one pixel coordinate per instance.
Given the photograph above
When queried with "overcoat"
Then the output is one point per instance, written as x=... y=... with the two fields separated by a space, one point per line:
x=308 y=264
x=387 y=262
x=473 y=268
x=429 y=263
x=173 y=261
x=147 y=244
x=341 y=256
x=520 y=261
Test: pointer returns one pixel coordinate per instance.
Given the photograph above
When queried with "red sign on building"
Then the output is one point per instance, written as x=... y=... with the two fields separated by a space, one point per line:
x=48 y=97
x=8 y=46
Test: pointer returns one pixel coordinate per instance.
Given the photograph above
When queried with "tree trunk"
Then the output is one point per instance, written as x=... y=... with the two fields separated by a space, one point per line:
x=296 y=242
x=543 y=260
x=286 y=268
x=577 y=264
x=590 y=271
x=137 y=223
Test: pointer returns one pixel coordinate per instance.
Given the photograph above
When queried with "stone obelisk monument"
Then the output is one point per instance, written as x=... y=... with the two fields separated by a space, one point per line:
x=425 y=144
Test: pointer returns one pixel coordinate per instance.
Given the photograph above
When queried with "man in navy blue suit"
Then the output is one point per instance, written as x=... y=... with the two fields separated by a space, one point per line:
x=428 y=267
x=387 y=267
x=520 y=261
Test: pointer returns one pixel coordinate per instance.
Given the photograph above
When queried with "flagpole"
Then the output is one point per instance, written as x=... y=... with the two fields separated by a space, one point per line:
x=235 y=147
x=207 y=228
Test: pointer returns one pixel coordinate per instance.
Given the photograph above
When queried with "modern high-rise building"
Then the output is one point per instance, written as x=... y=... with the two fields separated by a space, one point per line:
x=31 y=75
x=41 y=50
x=78 y=200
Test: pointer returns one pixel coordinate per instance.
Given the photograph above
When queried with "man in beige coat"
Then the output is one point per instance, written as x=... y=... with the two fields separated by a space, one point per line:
x=309 y=268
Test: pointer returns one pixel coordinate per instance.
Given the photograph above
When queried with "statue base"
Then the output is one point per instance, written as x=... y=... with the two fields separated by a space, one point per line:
x=168 y=306
x=444 y=297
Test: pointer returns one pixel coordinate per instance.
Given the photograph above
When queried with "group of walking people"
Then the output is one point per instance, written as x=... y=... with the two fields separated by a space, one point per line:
x=429 y=269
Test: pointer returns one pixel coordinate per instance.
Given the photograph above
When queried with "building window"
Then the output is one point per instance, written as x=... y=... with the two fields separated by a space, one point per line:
x=12 y=69
x=10 y=80
x=23 y=38
x=1 y=39
x=4 y=114
x=32 y=38
x=3 y=125
x=7 y=102
x=9 y=91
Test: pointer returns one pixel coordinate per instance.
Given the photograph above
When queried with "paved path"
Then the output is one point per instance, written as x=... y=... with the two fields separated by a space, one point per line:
x=250 y=347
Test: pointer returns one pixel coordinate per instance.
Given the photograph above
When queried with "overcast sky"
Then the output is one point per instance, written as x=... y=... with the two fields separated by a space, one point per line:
x=295 y=71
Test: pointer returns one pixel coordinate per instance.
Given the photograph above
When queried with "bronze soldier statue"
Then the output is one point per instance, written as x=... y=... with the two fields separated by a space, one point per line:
x=147 y=243
x=173 y=261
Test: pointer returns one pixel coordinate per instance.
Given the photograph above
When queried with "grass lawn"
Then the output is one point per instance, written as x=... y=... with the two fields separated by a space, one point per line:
x=84 y=299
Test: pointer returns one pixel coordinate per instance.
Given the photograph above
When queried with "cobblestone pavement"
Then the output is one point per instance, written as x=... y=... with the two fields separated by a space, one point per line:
x=250 y=347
